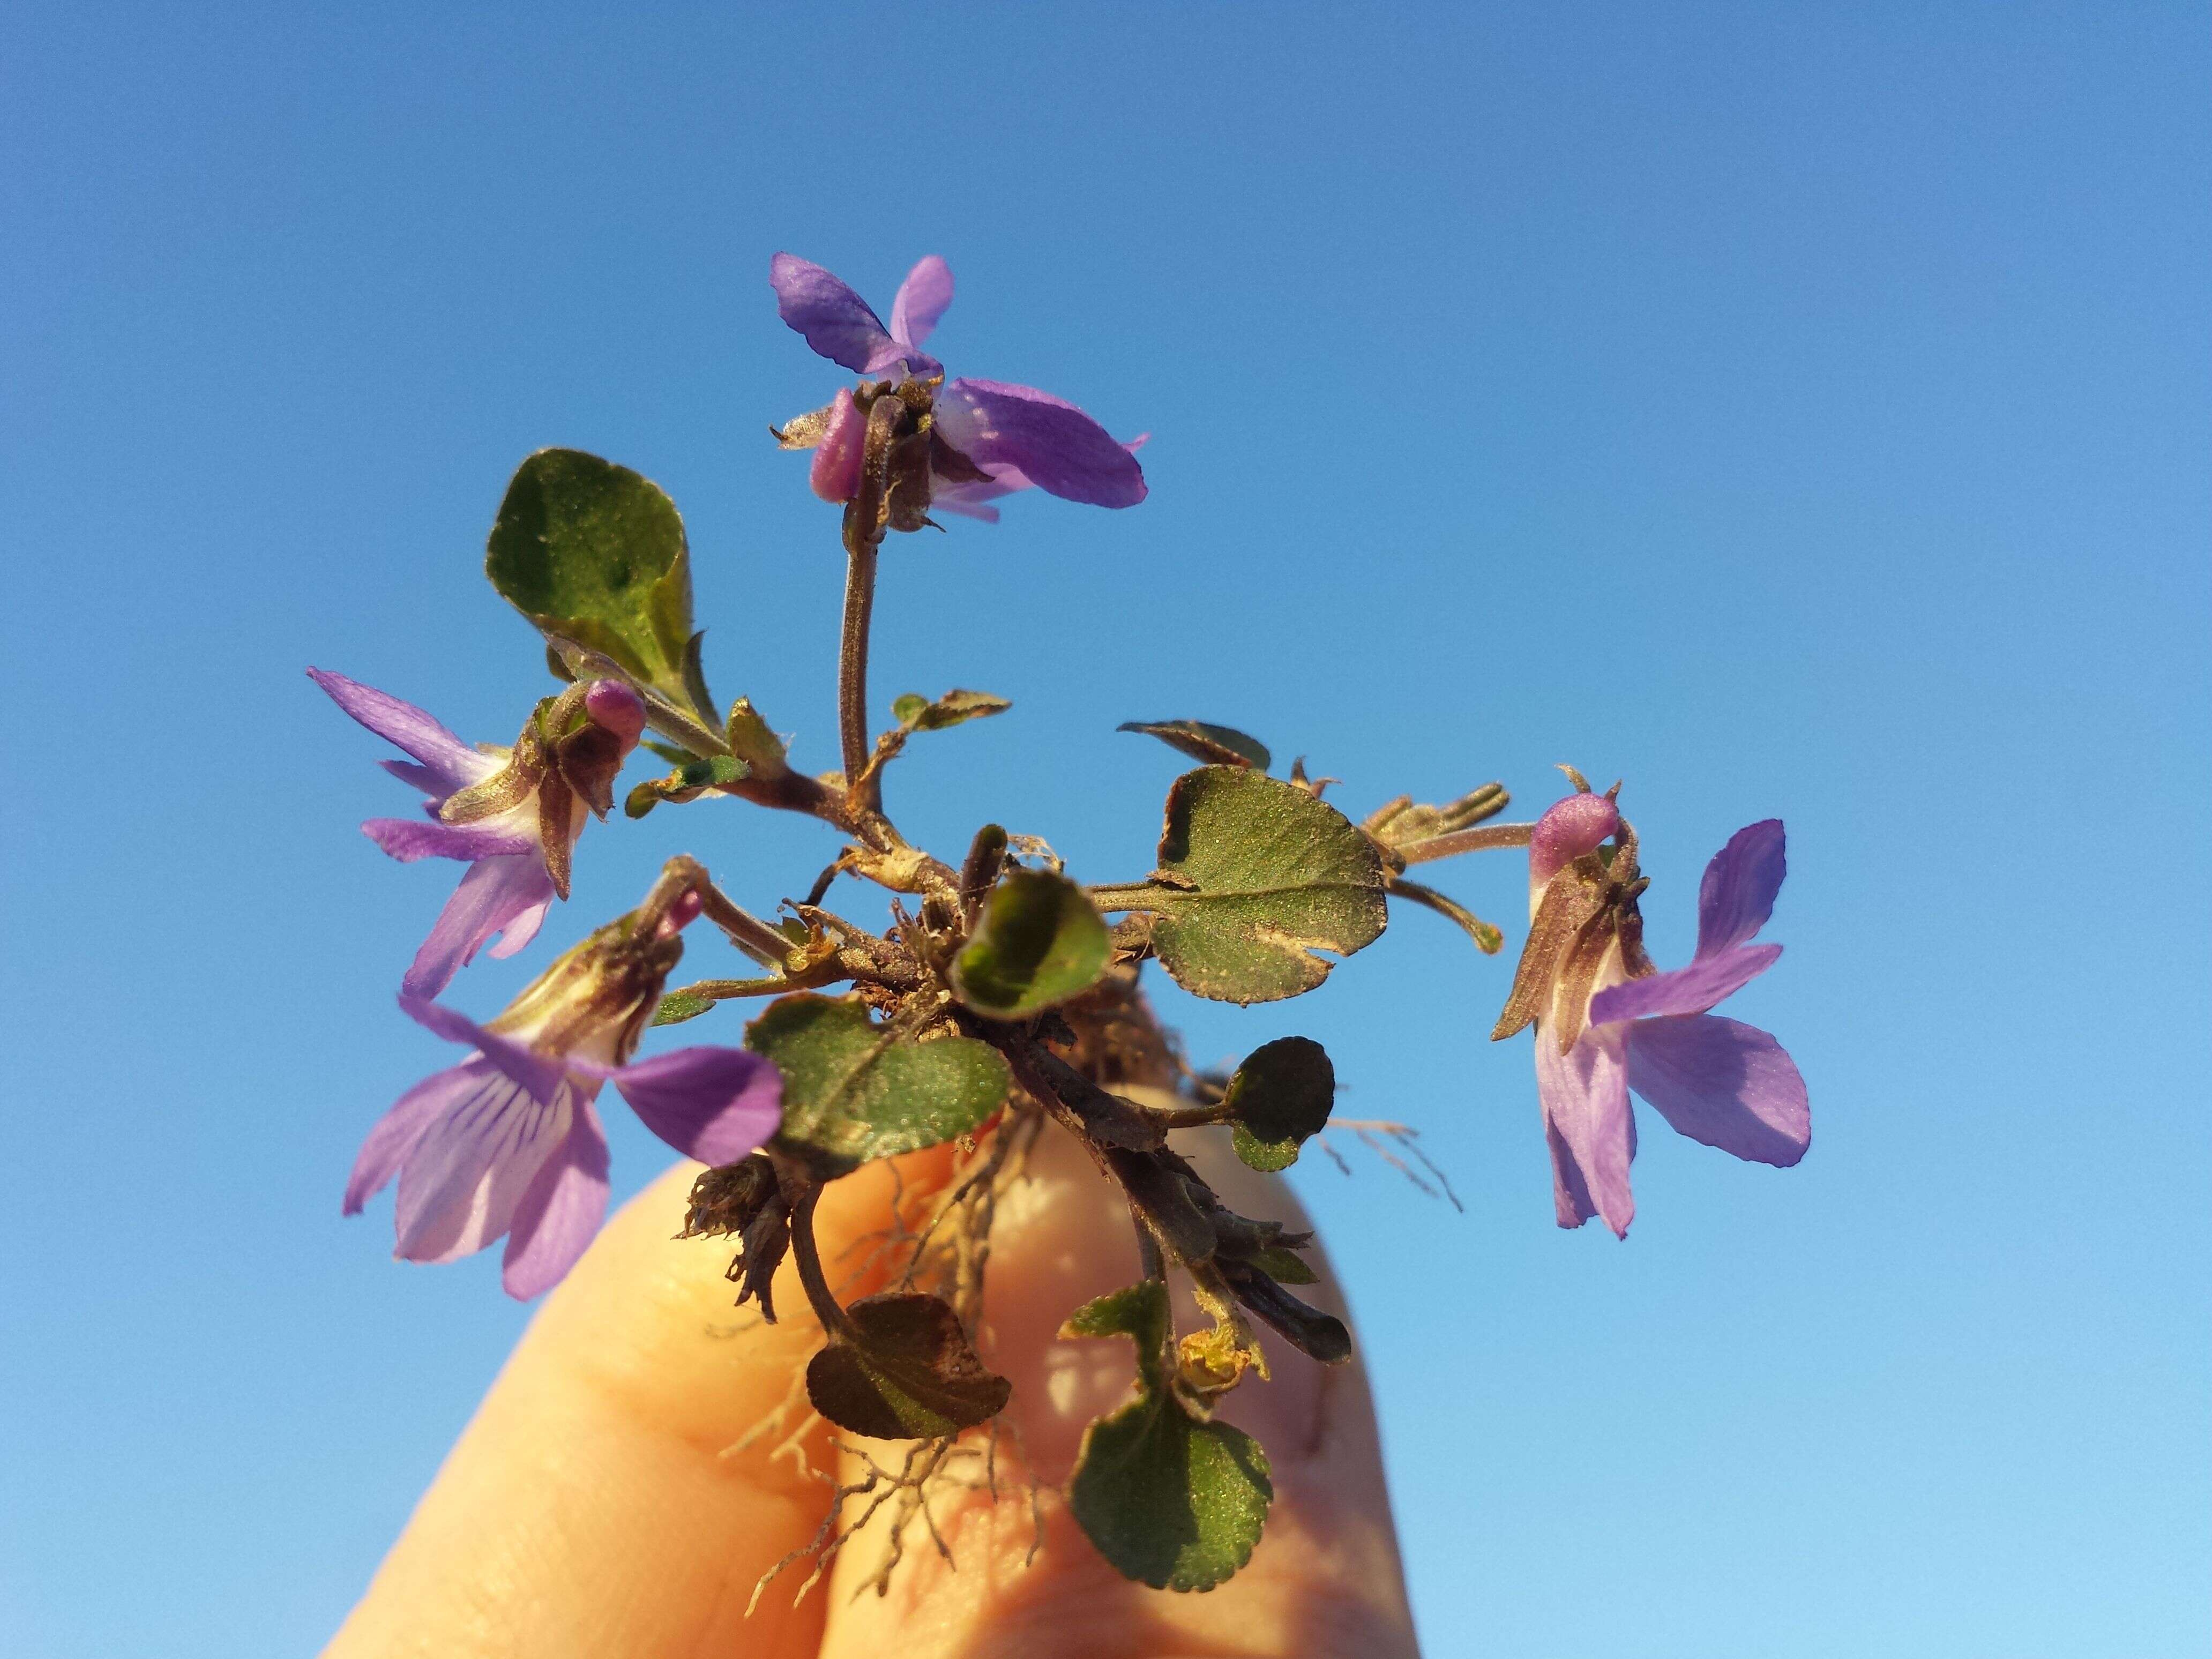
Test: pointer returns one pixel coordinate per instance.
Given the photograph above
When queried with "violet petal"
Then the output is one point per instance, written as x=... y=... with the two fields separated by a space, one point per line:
x=496 y=893
x=1056 y=444
x=920 y=301
x=410 y=839
x=715 y=1104
x=837 y=322
x=461 y=1183
x=1584 y=1093
x=541 y=1074
x=454 y=764
x=1737 y=895
x=431 y=783
x=395 y=1133
x=1723 y=1083
x=561 y=1213
x=1707 y=981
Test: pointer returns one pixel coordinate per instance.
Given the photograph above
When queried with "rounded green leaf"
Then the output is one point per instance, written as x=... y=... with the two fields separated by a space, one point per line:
x=595 y=554
x=1039 y=942
x=853 y=1092
x=1256 y=876
x=1170 y=1501
x=1282 y=1093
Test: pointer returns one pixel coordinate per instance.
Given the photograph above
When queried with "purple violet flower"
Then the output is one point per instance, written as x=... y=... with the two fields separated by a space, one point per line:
x=1609 y=1022
x=507 y=1144
x=990 y=438
x=512 y=815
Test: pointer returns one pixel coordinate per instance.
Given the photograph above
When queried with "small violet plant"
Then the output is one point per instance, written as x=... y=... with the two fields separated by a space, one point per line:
x=1002 y=1000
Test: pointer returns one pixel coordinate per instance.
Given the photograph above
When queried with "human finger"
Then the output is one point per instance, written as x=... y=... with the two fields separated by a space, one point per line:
x=594 y=1505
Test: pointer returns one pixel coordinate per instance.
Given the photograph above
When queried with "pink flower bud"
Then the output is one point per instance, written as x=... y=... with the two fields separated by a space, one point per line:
x=681 y=913
x=1568 y=829
x=611 y=704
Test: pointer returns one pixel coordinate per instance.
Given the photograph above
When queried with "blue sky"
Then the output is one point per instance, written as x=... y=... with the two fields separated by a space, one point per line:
x=1791 y=413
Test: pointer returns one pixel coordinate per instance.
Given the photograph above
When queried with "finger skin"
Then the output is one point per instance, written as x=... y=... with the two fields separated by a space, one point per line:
x=1325 y=1579
x=588 y=1510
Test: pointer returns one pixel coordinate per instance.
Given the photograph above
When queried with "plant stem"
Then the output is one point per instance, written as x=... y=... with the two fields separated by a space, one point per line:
x=812 y=1279
x=852 y=663
x=1466 y=841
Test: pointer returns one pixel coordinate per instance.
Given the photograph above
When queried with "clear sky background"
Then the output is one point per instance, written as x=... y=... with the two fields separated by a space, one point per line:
x=1792 y=413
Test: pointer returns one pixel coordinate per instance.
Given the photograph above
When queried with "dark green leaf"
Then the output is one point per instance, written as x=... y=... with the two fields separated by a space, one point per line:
x=852 y=1093
x=1281 y=1094
x=1039 y=942
x=918 y=713
x=1255 y=875
x=905 y=1371
x=1217 y=746
x=1171 y=1501
x=676 y=1007
x=595 y=554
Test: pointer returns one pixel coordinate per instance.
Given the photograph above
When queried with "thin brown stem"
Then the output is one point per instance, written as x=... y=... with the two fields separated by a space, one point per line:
x=1466 y=840
x=852 y=668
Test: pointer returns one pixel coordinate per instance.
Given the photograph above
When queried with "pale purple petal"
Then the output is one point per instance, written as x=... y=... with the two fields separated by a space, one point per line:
x=837 y=322
x=922 y=300
x=835 y=473
x=1707 y=981
x=395 y=1132
x=540 y=1074
x=449 y=761
x=410 y=839
x=419 y=777
x=715 y=1104
x=1737 y=895
x=466 y=1176
x=965 y=507
x=520 y=931
x=1056 y=444
x=1588 y=1124
x=559 y=1215
x=1723 y=1083
x=496 y=893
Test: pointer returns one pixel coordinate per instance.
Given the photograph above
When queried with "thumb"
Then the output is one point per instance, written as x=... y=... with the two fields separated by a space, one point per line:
x=593 y=1507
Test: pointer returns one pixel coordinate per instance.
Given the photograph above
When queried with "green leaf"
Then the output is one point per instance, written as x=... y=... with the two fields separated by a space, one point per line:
x=1138 y=1310
x=1284 y=1266
x=1217 y=746
x=595 y=554
x=905 y=1371
x=918 y=713
x=1039 y=942
x=1281 y=1094
x=1256 y=876
x=1171 y=1501
x=686 y=783
x=676 y=1007
x=851 y=1092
